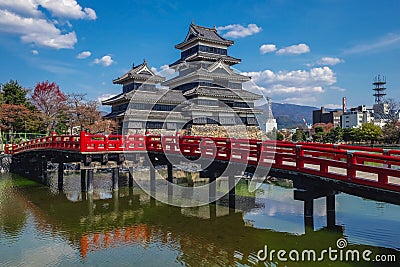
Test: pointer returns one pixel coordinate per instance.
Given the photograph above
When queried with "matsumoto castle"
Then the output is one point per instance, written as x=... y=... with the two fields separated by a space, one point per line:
x=204 y=99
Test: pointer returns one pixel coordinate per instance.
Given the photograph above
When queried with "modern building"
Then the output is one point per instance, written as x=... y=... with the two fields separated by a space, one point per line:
x=381 y=108
x=323 y=116
x=206 y=92
x=356 y=117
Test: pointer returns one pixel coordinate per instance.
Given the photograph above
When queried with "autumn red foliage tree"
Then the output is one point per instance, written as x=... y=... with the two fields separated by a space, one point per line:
x=87 y=116
x=50 y=101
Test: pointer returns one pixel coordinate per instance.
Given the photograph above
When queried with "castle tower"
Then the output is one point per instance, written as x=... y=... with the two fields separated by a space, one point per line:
x=206 y=79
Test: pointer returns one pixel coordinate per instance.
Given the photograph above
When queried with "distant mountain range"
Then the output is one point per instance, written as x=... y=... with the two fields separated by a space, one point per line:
x=291 y=115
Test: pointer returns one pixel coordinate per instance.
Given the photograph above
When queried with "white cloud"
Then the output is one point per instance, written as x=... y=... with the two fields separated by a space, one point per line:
x=27 y=19
x=105 y=61
x=309 y=100
x=300 y=78
x=267 y=48
x=24 y=7
x=329 y=61
x=90 y=13
x=167 y=69
x=67 y=9
x=104 y=97
x=239 y=31
x=84 y=54
x=36 y=30
x=337 y=88
x=333 y=106
x=35 y=52
x=286 y=86
x=294 y=50
x=164 y=71
x=387 y=41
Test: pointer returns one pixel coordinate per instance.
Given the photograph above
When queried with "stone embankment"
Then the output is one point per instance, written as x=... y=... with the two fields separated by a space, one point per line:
x=5 y=162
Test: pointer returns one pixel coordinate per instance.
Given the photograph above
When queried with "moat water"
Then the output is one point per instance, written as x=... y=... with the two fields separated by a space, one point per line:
x=40 y=226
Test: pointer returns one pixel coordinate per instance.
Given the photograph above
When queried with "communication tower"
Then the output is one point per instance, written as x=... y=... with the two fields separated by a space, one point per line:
x=379 y=90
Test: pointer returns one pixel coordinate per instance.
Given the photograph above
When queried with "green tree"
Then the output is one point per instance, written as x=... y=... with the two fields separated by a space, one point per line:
x=351 y=135
x=370 y=132
x=14 y=94
x=279 y=136
x=17 y=114
x=319 y=134
x=335 y=135
x=299 y=136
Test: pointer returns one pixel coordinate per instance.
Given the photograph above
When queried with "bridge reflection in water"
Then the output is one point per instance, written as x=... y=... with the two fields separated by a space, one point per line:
x=206 y=235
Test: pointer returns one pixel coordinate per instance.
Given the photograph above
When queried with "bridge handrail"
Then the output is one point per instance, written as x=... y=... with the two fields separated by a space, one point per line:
x=312 y=158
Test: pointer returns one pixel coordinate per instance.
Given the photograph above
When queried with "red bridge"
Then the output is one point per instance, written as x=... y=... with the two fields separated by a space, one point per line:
x=372 y=167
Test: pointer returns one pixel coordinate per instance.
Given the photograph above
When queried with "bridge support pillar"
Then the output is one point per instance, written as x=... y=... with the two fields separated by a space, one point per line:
x=43 y=170
x=330 y=211
x=309 y=214
x=60 y=176
x=213 y=211
x=115 y=198
x=83 y=180
x=170 y=179
x=152 y=183
x=130 y=181
x=232 y=194
x=90 y=181
x=90 y=205
x=152 y=180
x=212 y=187
x=115 y=176
x=170 y=176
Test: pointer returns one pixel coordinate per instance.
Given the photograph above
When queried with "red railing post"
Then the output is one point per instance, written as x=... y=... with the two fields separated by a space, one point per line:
x=382 y=175
x=107 y=143
x=6 y=149
x=335 y=156
x=387 y=153
x=299 y=157
x=351 y=165
x=180 y=142
x=259 y=148
x=323 y=168
x=278 y=159
x=82 y=142
x=228 y=149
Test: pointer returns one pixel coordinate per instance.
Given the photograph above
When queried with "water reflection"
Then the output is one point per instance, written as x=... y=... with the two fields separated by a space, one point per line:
x=125 y=227
x=13 y=213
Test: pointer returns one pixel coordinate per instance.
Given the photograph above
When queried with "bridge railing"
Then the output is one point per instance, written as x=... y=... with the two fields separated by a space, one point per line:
x=61 y=142
x=363 y=165
x=358 y=167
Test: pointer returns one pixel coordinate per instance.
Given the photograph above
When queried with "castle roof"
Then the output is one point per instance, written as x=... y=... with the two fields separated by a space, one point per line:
x=222 y=93
x=210 y=73
x=200 y=33
x=141 y=73
x=208 y=56
x=158 y=95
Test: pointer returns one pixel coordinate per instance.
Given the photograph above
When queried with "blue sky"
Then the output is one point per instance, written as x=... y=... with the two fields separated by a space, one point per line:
x=303 y=52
